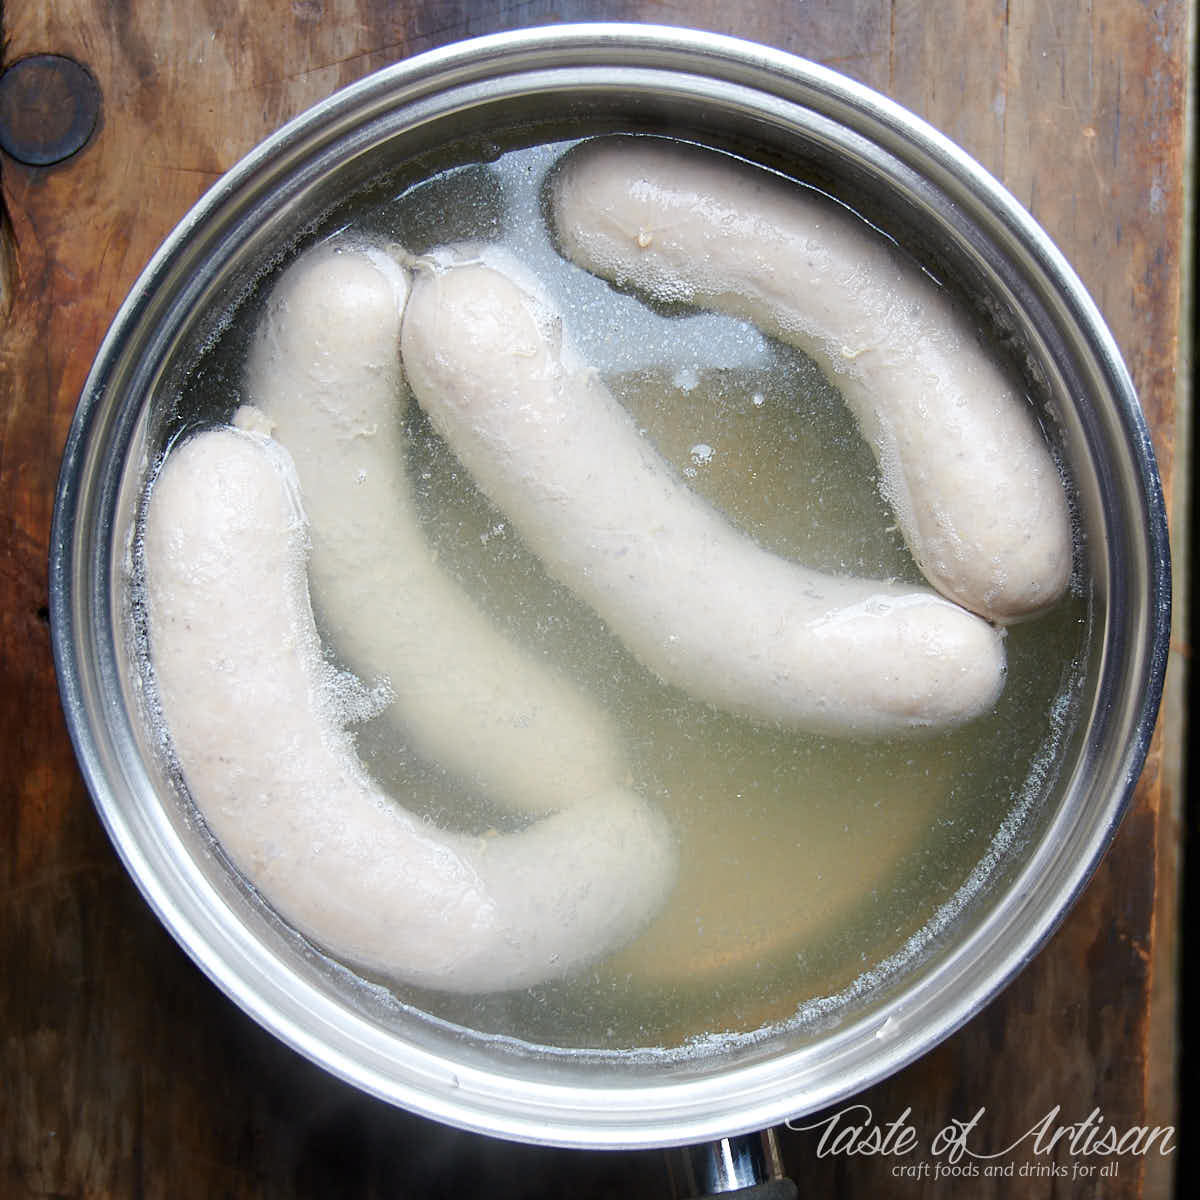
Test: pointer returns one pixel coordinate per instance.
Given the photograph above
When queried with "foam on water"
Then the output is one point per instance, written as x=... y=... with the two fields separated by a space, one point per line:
x=609 y=328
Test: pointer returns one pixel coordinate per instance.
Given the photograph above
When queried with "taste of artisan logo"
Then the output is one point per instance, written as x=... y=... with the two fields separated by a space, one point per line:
x=960 y=1149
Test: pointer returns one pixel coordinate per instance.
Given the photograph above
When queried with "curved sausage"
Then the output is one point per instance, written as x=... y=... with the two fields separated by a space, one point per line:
x=324 y=372
x=246 y=695
x=963 y=463
x=695 y=600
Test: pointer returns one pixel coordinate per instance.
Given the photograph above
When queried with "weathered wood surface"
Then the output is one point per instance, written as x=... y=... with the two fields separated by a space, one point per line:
x=123 y=1072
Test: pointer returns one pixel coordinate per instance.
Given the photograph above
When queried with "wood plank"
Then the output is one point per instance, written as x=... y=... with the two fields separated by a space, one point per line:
x=125 y=1072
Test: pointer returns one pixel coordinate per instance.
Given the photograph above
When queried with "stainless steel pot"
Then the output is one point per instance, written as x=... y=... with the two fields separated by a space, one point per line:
x=788 y=114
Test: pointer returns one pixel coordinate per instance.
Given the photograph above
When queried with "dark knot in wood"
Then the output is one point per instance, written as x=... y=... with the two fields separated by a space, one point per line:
x=49 y=105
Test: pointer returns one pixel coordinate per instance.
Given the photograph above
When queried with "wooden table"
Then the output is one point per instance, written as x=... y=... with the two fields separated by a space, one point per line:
x=123 y=1072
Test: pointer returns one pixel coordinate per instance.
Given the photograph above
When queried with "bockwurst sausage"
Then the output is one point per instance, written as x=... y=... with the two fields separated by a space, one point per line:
x=324 y=372
x=246 y=695
x=963 y=463
x=694 y=599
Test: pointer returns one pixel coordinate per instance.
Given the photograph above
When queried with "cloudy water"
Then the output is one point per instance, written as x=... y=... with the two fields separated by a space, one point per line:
x=809 y=864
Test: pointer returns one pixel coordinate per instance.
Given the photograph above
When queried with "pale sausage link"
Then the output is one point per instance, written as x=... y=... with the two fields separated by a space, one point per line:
x=324 y=370
x=963 y=462
x=695 y=600
x=245 y=693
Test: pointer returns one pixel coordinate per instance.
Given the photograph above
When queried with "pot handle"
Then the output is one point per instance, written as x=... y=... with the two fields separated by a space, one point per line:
x=748 y=1166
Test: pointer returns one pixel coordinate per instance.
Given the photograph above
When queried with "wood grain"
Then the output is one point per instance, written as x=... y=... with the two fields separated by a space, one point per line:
x=124 y=1072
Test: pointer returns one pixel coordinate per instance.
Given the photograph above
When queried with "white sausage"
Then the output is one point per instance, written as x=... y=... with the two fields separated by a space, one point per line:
x=695 y=600
x=963 y=463
x=324 y=370
x=245 y=694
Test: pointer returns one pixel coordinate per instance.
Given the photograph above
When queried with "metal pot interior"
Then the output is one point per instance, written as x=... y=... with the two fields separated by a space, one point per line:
x=467 y=105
